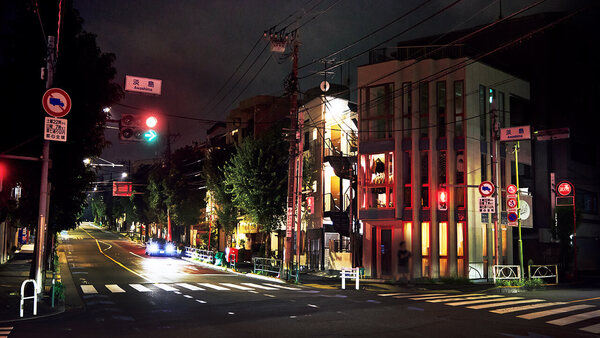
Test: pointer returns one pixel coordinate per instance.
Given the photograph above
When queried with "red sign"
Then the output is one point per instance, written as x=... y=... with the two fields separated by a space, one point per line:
x=511 y=189
x=511 y=203
x=310 y=204
x=122 y=189
x=486 y=188
x=564 y=188
x=56 y=102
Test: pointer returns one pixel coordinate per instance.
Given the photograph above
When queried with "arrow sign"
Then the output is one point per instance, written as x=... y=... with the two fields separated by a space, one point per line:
x=150 y=135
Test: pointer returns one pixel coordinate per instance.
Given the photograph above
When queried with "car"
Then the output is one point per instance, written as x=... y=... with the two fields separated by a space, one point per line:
x=160 y=247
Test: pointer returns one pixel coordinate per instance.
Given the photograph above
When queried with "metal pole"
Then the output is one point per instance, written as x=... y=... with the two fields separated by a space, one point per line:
x=41 y=227
x=519 y=205
x=496 y=183
x=574 y=234
x=300 y=162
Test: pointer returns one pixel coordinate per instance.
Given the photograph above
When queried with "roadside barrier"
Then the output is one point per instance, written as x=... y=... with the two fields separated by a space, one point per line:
x=506 y=272
x=34 y=297
x=204 y=255
x=350 y=273
x=543 y=271
x=267 y=265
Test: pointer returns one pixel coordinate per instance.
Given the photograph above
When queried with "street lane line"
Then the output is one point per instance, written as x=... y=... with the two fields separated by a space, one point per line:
x=200 y=301
x=136 y=255
x=525 y=307
x=212 y=286
x=88 y=289
x=165 y=287
x=140 y=287
x=583 y=300
x=487 y=300
x=485 y=306
x=592 y=329
x=259 y=286
x=189 y=287
x=540 y=314
x=114 y=288
x=268 y=295
x=188 y=296
x=444 y=296
x=282 y=287
x=575 y=318
x=235 y=286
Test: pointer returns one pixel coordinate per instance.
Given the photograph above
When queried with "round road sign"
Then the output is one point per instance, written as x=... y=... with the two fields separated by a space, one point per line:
x=56 y=102
x=511 y=189
x=512 y=216
x=486 y=188
x=511 y=203
x=564 y=188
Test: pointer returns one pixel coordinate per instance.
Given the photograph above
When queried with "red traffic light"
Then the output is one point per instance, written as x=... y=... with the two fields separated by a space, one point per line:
x=151 y=121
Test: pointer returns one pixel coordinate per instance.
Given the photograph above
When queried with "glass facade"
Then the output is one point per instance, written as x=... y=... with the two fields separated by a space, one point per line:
x=424 y=109
x=377 y=121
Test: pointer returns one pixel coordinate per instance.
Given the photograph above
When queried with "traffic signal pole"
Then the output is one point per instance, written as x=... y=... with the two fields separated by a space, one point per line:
x=496 y=182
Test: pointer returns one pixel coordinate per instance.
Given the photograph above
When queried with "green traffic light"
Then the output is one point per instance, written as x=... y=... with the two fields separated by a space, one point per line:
x=150 y=135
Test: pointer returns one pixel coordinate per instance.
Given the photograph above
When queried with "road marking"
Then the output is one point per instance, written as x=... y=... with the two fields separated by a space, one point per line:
x=575 y=318
x=485 y=306
x=448 y=299
x=140 y=287
x=165 y=287
x=188 y=296
x=259 y=286
x=437 y=296
x=525 y=307
x=136 y=255
x=189 y=287
x=268 y=295
x=252 y=291
x=487 y=300
x=230 y=313
x=583 y=300
x=114 y=288
x=200 y=301
x=212 y=286
x=313 y=305
x=592 y=329
x=392 y=294
x=235 y=286
x=554 y=311
x=282 y=287
x=88 y=289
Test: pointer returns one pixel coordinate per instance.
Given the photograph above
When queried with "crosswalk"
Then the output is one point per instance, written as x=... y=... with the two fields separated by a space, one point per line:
x=522 y=307
x=177 y=287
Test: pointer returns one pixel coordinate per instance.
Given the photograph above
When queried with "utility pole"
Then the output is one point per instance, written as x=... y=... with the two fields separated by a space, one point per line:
x=517 y=146
x=300 y=156
x=497 y=183
x=42 y=210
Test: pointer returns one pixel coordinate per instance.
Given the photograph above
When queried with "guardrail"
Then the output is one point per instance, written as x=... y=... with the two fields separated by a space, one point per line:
x=350 y=273
x=543 y=271
x=267 y=265
x=34 y=297
x=506 y=272
x=204 y=255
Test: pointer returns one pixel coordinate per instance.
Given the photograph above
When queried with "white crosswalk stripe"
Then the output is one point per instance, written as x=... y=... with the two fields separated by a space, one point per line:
x=114 y=288
x=259 y=286
x=140 y=287
x=554 y=311
x=411 y=296
x=213 y=286
x=592 y=328
x=88 y=289
x=235 y=286
x=575 y=318
x=503 y=303
x=165 y=287
x=463 y=298
x=190 y=286
x=483 y=300
x=525 y=307
x=282 y=287
x=441 y=297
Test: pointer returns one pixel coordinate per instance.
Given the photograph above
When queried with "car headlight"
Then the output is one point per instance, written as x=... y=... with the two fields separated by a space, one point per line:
x=153 y=247
x=170 y=247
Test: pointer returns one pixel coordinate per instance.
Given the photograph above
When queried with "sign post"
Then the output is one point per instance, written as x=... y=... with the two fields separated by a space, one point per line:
x=566 y=190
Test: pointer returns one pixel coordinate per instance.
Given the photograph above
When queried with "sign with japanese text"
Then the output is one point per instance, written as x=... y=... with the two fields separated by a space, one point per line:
x=515 y=133
x=122 y=189
x=55 y=129
x=564 y=188
x=290 y=222
x=143 y=85
x=487 y=205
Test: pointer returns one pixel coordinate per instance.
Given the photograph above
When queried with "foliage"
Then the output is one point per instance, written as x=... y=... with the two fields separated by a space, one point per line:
x=59 y=291
x=98 y=208
x=528 y=283
x=256 y=176
x=212 y=172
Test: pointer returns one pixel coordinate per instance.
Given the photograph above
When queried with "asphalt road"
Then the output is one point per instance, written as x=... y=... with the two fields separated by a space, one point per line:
x=125 y=293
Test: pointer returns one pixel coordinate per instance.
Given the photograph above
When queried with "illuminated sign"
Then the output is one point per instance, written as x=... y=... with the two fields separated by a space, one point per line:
x=143 y=85
x=564 y=189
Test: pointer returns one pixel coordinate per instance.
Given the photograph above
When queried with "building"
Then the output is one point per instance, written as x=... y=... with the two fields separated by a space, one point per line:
x=424 y=128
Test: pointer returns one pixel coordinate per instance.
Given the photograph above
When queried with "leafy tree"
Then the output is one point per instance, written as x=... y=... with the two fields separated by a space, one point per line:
x=256 y=177
x=98 y=208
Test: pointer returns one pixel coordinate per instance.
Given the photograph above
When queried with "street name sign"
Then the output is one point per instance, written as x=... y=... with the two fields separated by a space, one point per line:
x=55 y=129
x=56 y=102
x=487 y=205
x=515 y=133
x=552 y=134
x=143 y=85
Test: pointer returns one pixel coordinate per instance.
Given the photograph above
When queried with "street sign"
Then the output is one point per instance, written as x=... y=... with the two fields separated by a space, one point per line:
x=486 y=188
x=487 y=205
x=55 y=129
x=485 y=218
x=56 y=102
x=290 y=222
x=122 y=188
x=512 y=217
x=564 y=188
x=552 y=134
x=511 y=203
x=524 y=210
x=143 y=85
x=515 y=133
x=511 y=189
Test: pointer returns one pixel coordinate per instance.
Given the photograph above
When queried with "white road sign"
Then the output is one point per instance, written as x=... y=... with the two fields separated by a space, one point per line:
x=55 y=129
x=515 y=133
x=487 y=205
x=143 y=85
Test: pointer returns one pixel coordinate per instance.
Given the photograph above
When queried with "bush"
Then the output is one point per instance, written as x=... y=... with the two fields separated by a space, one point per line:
x=59 y=291
x=533 y=283
x=530 y=283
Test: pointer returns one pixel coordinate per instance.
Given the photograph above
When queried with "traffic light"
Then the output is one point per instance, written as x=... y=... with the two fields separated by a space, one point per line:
x=150 y=134
x=133 y=128
x=442 y=200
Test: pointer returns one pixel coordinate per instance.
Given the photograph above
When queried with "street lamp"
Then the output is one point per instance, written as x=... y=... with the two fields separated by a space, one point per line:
x=87 y=161
x=123 y=175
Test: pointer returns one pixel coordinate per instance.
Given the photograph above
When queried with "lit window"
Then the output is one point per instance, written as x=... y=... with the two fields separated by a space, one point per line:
x=378 y=173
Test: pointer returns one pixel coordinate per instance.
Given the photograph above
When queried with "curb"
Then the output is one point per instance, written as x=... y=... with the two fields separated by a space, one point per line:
x=225 y=269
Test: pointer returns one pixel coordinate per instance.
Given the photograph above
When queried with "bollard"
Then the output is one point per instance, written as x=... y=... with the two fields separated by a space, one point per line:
x=23 y=298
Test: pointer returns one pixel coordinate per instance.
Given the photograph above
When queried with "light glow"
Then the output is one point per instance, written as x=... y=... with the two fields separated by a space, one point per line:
x=151 y=121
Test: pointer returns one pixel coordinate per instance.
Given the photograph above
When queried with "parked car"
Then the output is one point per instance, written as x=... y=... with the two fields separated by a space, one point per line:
x=161 y=247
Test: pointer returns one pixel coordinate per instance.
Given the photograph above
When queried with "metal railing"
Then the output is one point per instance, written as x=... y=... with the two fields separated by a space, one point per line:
x=350 y=273
x=543 y=271
x=506 y=272
x=34 y=297
x=267 y=265
x=203 y=255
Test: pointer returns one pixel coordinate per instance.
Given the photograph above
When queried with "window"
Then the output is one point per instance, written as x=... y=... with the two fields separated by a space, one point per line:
x=460 y=248
x=441 y=108
x=482 y=113
x=587 y=201
x=407 y=109
x=443 y=236
x=442 y=167
x=425 y=246
x=459 y=112
x=378 y=171
x=460 y=192
x=425 y=179
x=424 y=109
x=378 y=120
x=407 y=173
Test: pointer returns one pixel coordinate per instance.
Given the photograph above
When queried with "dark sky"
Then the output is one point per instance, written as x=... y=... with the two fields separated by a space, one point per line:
x=194 y=46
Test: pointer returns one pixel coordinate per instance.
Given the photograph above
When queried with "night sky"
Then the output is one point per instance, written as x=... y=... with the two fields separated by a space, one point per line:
x=194 y=46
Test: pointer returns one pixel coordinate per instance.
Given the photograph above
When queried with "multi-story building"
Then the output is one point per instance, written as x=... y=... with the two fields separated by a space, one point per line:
x=425 y=127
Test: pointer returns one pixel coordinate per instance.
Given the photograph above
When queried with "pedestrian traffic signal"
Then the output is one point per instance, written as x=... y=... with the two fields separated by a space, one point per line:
x=442 y=200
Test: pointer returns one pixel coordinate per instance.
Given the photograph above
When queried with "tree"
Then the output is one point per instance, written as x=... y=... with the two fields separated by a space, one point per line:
x=256 y=177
